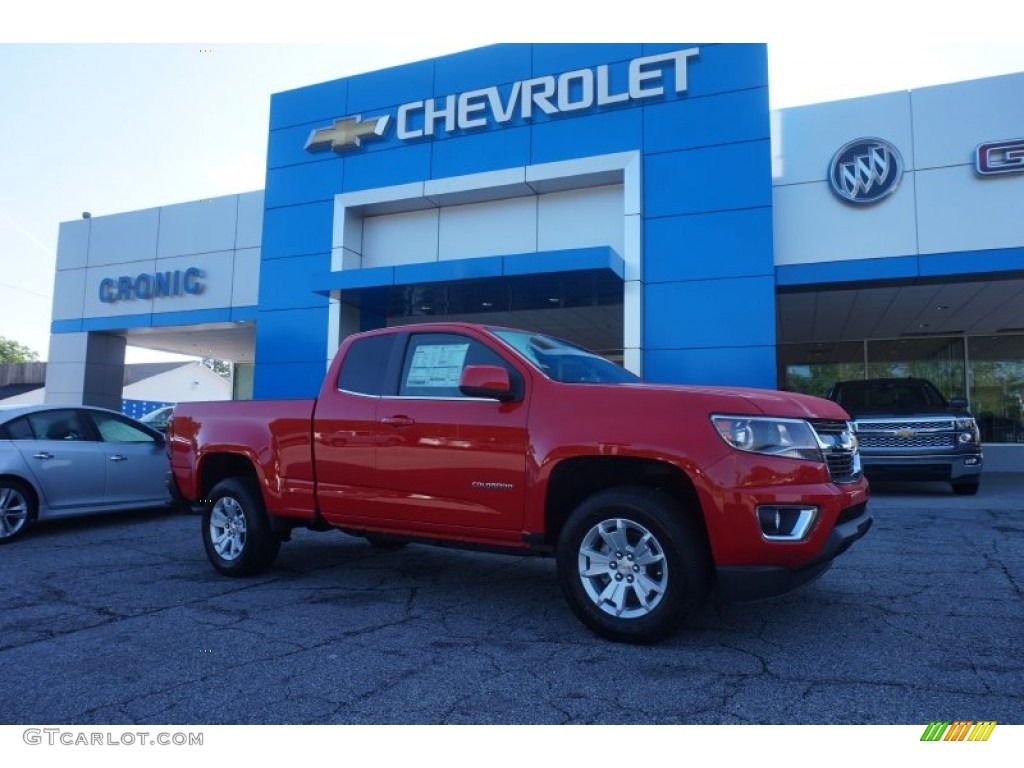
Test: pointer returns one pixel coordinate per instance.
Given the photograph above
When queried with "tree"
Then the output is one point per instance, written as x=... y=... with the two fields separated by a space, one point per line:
x=222 y=367
x=13 y=352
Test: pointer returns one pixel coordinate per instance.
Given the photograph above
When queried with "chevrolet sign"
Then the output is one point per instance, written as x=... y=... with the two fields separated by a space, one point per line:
x=580 y=89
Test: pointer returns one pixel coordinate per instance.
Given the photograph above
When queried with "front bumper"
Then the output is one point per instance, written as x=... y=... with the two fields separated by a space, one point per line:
x=746 y=583
x=940 y=467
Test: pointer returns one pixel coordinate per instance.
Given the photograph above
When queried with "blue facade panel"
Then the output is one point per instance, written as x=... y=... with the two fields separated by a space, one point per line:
x=312 y=103
x=710 y=313
x=288 y=381
x=702 y=122
x=403 y=165
x=593 y=134
x=445 y=271
x=308 y=183
x=728 y=177
x=297 y=230
x=479 y=152
x=291 y=336
x=288 y=283
x=708 y=245
x=724 y=366
x=974 y=262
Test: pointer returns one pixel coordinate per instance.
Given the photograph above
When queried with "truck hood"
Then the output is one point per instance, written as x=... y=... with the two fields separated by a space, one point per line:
x=755 y=402
x=915 y=413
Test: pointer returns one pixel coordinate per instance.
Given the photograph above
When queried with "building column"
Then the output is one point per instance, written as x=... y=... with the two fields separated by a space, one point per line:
x=85 y=369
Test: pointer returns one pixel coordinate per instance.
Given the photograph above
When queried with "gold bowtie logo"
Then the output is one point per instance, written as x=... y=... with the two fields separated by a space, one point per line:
x=346 y=133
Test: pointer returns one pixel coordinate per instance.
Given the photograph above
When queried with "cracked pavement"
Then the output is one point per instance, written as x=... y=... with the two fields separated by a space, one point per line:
x=120 y=619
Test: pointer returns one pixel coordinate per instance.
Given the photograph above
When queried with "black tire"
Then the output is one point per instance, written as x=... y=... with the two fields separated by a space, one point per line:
x=383 y=541
x=966 y=487
x=18 y=509
x=676 y=581
x=236 y=529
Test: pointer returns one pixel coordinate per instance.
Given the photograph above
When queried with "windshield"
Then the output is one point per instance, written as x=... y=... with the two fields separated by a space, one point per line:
x=564 y=362
x=889 y=396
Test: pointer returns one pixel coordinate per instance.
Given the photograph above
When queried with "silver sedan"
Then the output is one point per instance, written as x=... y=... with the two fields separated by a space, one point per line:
x=60 y=461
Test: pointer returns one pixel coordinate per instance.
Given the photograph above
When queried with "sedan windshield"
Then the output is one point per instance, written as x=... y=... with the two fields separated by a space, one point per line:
x=564 y=362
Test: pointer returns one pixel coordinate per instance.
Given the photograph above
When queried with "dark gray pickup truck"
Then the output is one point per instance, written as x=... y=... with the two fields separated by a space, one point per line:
x=908 y=431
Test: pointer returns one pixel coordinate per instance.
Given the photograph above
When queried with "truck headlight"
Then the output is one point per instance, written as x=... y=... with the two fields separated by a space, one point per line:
x=789 y=438
x=968 y=431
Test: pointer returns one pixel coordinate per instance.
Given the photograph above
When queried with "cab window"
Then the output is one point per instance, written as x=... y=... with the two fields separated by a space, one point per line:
x=434 y=363
x=366 y=364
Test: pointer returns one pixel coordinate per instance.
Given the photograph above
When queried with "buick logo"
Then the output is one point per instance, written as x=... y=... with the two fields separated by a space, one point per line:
x=865 y=171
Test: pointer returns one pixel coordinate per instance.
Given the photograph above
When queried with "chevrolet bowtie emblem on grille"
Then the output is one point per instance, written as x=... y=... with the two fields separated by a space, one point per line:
x=346 y=133
x=906 y=433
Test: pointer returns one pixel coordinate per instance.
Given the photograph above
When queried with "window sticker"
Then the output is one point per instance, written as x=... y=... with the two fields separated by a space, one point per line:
x=437 y=365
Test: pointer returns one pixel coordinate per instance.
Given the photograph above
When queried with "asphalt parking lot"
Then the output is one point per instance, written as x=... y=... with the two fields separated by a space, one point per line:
x=120 y=619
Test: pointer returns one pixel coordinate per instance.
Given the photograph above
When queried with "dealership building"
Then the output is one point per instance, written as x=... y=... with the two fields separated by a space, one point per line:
x=640 y=200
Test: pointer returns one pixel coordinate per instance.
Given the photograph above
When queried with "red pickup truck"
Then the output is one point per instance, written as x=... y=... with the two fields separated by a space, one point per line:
x=649 y=496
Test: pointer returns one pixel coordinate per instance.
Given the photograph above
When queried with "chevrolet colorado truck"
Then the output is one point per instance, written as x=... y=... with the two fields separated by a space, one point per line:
x=648 y=496
x=908 y=431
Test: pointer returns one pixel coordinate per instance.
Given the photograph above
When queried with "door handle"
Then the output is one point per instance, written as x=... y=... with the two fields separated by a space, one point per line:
x=42 y=455
x=398 y=421
x=117 y=457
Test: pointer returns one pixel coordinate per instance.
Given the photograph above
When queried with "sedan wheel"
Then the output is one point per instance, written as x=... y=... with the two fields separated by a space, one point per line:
x=17 y=510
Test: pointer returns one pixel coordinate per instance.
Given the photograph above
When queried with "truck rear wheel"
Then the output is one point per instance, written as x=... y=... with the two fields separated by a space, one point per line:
x=633 y=564
x=236 y=531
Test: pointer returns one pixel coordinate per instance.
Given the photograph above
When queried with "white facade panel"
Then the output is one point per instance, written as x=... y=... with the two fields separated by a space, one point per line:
x=959 y=211
x=94 y=276
x=951 y=120
x=401 y=238
x=124 y=238
x=69 y=294
x=68 y=347
x=249 y=228
x=804 y=139
x=581 y=218
x=202 y=226
x=497 y=228
x=812 y=225
x=216 y=280
x=64 y=377
x=73 y=244
x=245 y=284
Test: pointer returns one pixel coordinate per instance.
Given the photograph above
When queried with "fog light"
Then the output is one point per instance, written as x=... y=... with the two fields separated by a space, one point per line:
x=972 y=461
x=785 y=523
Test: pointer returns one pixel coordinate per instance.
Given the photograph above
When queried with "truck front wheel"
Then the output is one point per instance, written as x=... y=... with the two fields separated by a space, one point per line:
x=236 y=532
x=633 y=564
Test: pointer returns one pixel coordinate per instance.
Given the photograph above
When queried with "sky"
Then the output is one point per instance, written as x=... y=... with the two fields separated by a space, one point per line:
x=110 y=116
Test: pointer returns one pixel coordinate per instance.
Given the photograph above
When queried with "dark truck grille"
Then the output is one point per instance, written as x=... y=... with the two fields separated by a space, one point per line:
x=910 y=434
x=836 y=441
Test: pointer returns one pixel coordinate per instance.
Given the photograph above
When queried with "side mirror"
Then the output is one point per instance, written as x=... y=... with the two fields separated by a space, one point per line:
x=486 y=381
x=958 y=403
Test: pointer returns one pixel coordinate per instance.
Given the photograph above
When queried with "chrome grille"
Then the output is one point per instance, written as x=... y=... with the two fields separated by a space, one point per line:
x=929 y=440
x=909 y=434
x=866 y=425
x=839 y=448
